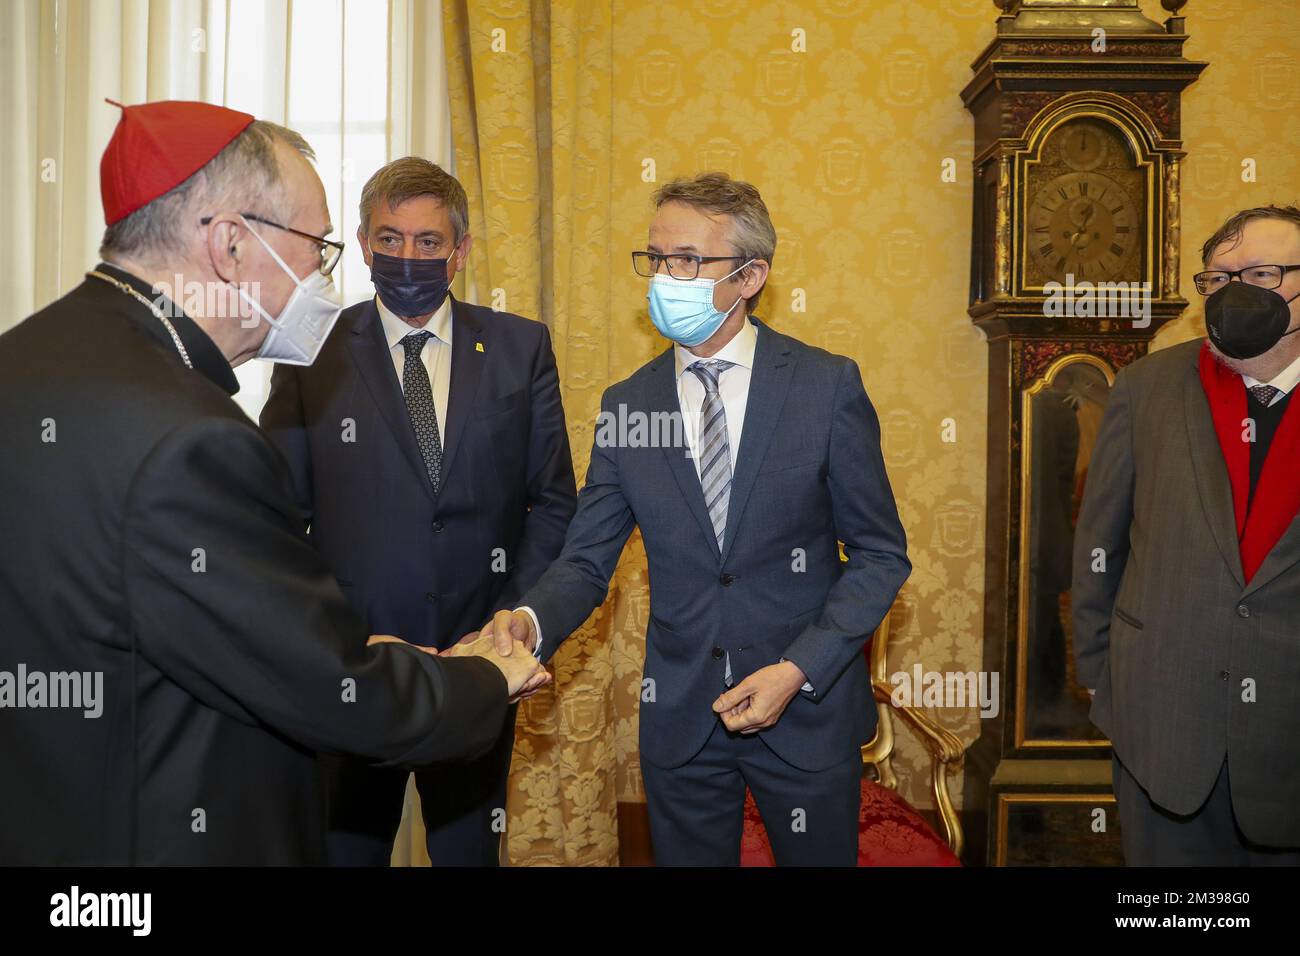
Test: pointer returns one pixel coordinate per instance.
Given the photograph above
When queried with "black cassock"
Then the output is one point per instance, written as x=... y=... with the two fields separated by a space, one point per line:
x=149 y=535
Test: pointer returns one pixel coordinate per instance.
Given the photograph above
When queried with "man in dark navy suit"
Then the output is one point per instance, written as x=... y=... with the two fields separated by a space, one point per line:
x=431 y=462
x=754 y=673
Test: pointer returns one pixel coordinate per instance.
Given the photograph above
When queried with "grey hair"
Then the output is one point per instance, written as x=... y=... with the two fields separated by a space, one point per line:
x=409 y=178
x=243 y=173
x=750 y=230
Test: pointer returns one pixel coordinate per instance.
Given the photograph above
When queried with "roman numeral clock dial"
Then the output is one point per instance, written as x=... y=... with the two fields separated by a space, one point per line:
x=1084 y=214
x=1082 y=224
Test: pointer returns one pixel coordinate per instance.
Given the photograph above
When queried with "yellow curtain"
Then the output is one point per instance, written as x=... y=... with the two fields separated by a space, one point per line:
x=530 y=88
x=57 y=63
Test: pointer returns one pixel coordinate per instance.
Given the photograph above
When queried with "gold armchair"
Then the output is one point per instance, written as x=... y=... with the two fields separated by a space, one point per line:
x=946 y=751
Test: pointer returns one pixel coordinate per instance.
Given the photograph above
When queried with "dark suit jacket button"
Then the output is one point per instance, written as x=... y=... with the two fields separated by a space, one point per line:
x=717 y=653
x=726 y=580
x=1243 y=611
x=430 y=596
x=437 y=525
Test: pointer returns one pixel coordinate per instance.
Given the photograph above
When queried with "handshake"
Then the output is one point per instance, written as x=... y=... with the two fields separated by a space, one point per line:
x=507 y=642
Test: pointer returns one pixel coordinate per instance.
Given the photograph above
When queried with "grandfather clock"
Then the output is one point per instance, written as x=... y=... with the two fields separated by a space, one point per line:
x=1074 y=266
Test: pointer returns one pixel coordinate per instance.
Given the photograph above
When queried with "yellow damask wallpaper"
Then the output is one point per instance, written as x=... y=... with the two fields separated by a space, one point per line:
x=566 y=116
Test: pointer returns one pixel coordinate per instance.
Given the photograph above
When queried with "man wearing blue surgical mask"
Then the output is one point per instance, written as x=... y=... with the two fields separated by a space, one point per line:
x=754 y=673
x=431 y=460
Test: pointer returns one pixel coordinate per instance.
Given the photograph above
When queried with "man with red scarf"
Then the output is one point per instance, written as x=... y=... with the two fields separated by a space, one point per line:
x=1186 y=585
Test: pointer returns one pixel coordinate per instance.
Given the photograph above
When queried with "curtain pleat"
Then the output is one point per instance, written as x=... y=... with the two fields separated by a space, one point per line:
x=530 y=88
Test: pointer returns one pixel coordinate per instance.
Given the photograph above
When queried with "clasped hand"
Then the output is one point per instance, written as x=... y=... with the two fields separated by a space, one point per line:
x=507 y=641
x=524 y=674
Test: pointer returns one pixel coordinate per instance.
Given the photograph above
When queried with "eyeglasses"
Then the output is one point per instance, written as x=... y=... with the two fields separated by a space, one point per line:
x=1266 y=277
x=684 y=266
x=330 y=250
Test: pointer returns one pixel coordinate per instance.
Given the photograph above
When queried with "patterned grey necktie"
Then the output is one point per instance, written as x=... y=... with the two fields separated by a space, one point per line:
x=419 y=404
x=1264 y=394
x=715 y=449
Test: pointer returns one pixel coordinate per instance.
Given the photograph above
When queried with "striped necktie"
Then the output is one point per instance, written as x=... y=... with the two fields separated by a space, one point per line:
x=715 y=449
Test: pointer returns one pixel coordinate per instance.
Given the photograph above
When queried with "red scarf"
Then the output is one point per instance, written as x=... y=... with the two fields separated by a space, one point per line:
x=1277 y=496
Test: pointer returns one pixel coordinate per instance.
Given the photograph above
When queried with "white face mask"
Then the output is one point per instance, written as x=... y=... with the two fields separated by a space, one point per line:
x=296 y=336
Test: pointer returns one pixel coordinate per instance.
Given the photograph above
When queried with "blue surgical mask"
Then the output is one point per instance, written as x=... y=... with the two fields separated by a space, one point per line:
x=682 y=309
x=409 y=287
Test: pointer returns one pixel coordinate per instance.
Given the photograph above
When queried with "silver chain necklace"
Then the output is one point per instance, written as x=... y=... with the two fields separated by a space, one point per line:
x=158 y=313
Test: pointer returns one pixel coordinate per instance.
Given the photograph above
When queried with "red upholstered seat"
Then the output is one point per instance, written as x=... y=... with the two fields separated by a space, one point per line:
x=890 y=833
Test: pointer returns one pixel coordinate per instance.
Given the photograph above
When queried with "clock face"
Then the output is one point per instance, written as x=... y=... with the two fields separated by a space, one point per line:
x=1083 y=147
x=1082 y=224
x=1084 y=216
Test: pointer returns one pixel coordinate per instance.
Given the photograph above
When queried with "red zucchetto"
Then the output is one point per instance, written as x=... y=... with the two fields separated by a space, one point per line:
x=157 y=146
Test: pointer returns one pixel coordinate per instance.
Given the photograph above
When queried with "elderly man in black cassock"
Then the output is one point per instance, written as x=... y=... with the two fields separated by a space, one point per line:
x=173 y=652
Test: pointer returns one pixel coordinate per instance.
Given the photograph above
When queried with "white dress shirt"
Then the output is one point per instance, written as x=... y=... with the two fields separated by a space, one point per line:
x=1283 y=381
x=436 y=354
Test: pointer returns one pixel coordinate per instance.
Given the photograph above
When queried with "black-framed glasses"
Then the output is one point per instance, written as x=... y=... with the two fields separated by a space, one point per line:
x=680 y=265
x=331 y=251
x=1264 y=276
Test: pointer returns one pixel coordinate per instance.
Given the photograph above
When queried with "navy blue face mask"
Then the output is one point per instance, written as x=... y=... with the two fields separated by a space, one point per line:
x=409 y=287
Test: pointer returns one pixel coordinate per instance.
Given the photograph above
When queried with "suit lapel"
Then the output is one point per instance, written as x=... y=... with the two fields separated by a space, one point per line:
x=374 y=363
x=768 y=384
x=466 y=376
x=1284 y=554
x=1211 y=472
x=663 y=398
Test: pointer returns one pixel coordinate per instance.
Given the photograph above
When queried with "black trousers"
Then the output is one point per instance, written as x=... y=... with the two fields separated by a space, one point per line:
x=1152 y=836
x=697 y=810
x=463 y=806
